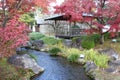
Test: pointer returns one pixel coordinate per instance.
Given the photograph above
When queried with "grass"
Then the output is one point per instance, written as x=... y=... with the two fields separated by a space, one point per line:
x=100 y=60
x=72 y=54
x=9 y=72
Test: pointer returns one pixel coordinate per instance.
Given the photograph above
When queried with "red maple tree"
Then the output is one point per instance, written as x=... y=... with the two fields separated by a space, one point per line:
x=13 y=33
x=102 y=12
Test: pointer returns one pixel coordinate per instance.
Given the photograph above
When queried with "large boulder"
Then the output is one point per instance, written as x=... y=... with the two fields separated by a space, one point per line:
x=111 y=53
x=26 y=62
x=90 y=66
x=37 y=44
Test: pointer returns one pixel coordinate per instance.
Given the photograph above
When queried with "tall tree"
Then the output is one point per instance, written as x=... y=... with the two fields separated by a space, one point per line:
x=103 y=12
x=14 y=33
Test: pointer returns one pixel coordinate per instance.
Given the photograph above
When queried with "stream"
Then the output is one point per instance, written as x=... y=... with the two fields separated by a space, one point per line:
x=58 y=68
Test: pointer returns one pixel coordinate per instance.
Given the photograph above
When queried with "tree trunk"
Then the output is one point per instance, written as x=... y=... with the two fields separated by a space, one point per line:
x=101 y=38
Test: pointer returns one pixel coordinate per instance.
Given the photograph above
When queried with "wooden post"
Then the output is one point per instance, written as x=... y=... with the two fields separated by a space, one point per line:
x=37 y=28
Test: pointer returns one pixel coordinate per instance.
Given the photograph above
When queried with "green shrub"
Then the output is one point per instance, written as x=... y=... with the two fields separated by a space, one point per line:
x=106 y=36
x=88 y=44
x=50 y=40
x=36 y=36
x=96 y=38
x=72 y=54
x=101 y=61
x=54 y=51
x=73 y=57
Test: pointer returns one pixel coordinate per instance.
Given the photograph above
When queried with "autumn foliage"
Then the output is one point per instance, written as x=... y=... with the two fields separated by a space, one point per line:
x=14 y=33
x=12 y=36
x=99 y=14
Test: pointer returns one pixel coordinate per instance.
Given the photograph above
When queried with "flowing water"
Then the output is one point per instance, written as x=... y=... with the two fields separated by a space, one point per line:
x=58 y=68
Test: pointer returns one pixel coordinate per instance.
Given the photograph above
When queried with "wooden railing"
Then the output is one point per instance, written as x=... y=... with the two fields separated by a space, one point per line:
x=70 y=32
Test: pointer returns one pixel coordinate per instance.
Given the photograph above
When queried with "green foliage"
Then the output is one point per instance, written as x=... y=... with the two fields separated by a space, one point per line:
x=88 y=44
x=50 y=40
x=96 y=38
x=99 y=59
x=54 y=51
x=106 y=36
x=73 y=54
x=75 y=26
x=33 y=56
x=10 y=72
x=36 y=36
x=28 y=18
x=73 y=57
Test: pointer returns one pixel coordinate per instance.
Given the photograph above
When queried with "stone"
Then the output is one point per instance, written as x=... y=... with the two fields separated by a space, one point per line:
x=114 y=63
x=81 y=61
x=21 y=50
x=82 y=56
x=26 y=62
x=114 y=66
x=110 y=70
x=37 y=44
x=114 y=40
x=77 y=42
x=28 y=44
x=110 y=52
x=68 y=43
x=90 y=66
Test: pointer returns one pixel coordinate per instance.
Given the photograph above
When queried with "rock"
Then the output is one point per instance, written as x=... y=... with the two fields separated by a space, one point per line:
x=90 y=66
x=68 y=43
x=114 y=40
x=77 y=42
x=110 y=70
x=111 y=53
x=28 y=44
x=21 y=50
x=26 y=62
x=37 y=44
x=114 y=63
x=114 y=66
x=82 y=56
x=81 y=61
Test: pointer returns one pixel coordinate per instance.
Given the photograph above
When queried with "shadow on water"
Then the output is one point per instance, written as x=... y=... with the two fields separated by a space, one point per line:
x=58 y=68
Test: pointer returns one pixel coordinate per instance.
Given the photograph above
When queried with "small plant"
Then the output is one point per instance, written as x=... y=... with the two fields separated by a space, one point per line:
x=73 y=57
x=72 y=54
x=33 y=57
x=36 y=36
x=54 y=51
x=99 y=59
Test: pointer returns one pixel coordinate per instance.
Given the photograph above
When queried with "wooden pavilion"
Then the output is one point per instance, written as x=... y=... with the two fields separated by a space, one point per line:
x=67 y=32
